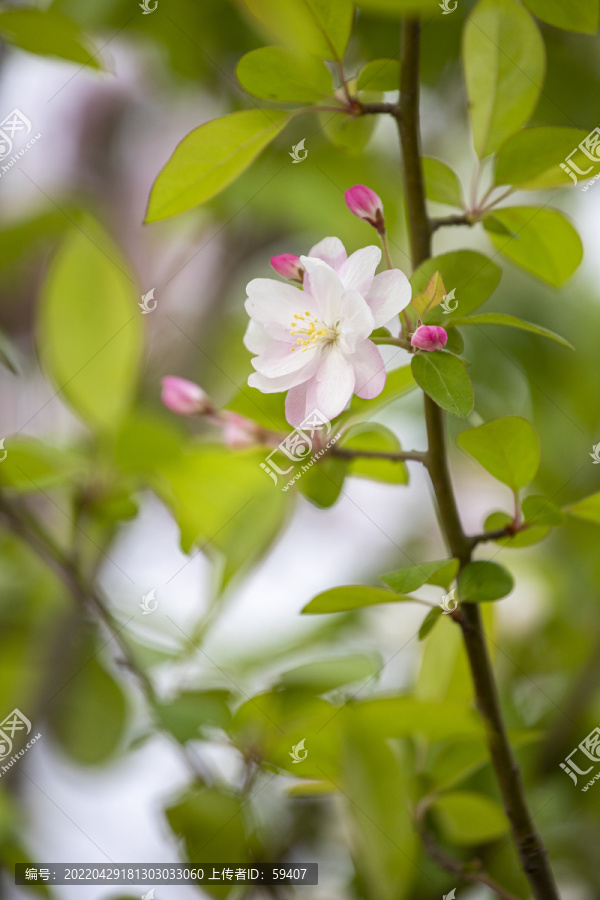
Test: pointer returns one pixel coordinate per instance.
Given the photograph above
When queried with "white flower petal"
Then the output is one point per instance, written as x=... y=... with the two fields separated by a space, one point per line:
x=281 y=359
x=325 y=288
x=335 y=383
x=389 y=294
x=330 y=250
x=268 y=385
x=274 y=304
x=256 y=338
x=369 y=370
x=356 y=321
x=358 y=270
x=295 y=404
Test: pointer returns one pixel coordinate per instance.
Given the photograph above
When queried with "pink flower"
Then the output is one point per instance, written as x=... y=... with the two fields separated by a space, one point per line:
x=238 y=432
x=289 y=266
x=184 y=397
x=366 y=204
x=429 y=337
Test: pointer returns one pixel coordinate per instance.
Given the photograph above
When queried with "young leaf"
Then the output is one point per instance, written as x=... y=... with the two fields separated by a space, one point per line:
x=511 y=322
x=576 y=15
x=209 y=158
x=504 y=63
x=467 y=818
x=431 y=297
x=379 y=75
x=90 y=330
x=544 y=242
x=429 y=622
x=409 y=579
x=47 y=33
x=588 y=509
x=441 y=182
x=541 y=511
x=321 y=27
x=326 y=674
x=482 y=581
x=530 y=159
x=508 y=448
x=322 y=481
x=444 y=378
x=471 y=274
x=33 y=465
x=352 y=596
x=346 y=132
x=371 y=436
x=525 y=538
x=273 y=73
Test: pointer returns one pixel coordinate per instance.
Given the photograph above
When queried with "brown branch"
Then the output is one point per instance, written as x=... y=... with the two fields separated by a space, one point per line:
x=464 y=219
x=400 y=456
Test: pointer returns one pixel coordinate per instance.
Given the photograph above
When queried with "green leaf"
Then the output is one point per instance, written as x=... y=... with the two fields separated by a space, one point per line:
x=273 y=73
x=352 y=596
x=429 y=621
x=471 y=274
x=190 y=712
x=431 y=297
x=508 y=448
x=347 y=132
x=444 y=378
x=90 y=329
x=530 y=159
x=467 y=818
x=577 y=15
x=47 y=33
x=541 y=511
x=525 y=538
x=210 y=157
x=266 y=409
x=31 y=465
x=504 y=64
x=482 y=581
x=409 y=579
x=511 y=322
x=544 y=243
x=398 y=383
x=399 y=717
x=587 y=509
x=327 y=674
x=323 y=481
x=321 y=27
x=379 y=75
x=400 y=7
x=373 y=437
x=441 y=182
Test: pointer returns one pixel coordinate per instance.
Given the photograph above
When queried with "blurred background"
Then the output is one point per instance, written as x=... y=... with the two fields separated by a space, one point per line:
x=95 y=787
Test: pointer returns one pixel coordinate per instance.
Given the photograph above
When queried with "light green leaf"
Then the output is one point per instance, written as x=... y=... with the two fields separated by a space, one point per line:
x=508 y=448
x=444 y=378
x=90 y=329
x=266 y=409
x=530 y=159
x=588 y=508
x=472 y=275
x=482 y=581
x=349 y=133
x=210 y=157
x=400 y=7
x=325 y=675
x=321 y=27
x=409 y=579
x=541 y=511
x=273 y=73
x=399 y=717
x=31 y=465
x=373 y=437
x=504 y=64
x=187 y=714
x=467 y=818
x=525 y=538
x=576 y=15
x=441 y=182
x=352 y=596
x=542 y=241
x=47 y=33
x=429 y=621
x=511 y=322
x=431 y=297
x=323 y=481
x=379 y=75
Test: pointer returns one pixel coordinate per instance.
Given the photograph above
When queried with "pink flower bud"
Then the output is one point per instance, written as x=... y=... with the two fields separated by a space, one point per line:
x=365 y=204
x=238 y=432
x=429 y=337
x=289 y=266
x=184 y=397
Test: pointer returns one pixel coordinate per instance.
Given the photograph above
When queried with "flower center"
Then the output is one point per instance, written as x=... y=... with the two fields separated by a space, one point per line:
x=310 y=331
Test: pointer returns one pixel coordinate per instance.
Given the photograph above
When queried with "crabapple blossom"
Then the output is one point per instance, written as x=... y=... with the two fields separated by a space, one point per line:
x=289 y=266
x=186 y=398
x=429 y=337
x=367 y=205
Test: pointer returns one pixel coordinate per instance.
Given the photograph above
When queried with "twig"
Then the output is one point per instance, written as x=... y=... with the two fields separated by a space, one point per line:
x=400 y=456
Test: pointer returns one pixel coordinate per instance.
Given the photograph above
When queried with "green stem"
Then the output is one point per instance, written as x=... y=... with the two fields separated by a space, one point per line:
x=530 y=847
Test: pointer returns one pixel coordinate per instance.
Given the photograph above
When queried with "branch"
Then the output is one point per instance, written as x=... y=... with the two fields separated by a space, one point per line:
x=464 y=219
x=400 y=456
x=532 y=852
